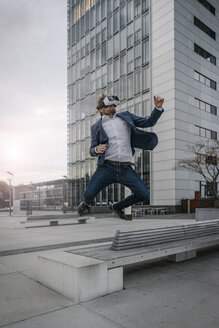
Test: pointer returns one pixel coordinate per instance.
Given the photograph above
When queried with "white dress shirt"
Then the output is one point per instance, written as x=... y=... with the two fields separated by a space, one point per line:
x=119 y=135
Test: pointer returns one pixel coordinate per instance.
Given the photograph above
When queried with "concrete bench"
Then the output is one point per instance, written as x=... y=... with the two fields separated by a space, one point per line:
x=77 y=277
x=86 y=273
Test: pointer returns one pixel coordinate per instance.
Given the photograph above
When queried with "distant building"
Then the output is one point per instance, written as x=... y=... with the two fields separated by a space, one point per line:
x=135 y=50
x=47 y=195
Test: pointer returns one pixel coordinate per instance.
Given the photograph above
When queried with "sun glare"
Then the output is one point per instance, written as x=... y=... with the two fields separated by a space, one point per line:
x=14 y=153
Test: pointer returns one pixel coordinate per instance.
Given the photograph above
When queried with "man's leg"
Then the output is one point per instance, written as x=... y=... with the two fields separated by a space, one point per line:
x=132 y=180
x=102 y=177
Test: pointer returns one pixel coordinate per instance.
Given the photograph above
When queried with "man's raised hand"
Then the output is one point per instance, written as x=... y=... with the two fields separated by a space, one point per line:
x=158 y=101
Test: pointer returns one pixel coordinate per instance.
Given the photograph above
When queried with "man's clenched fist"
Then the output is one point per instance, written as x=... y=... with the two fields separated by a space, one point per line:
x=158 y=101
x=101 y=149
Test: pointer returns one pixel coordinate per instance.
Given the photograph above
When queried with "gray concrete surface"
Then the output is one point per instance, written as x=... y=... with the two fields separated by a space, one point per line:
x=159 y=294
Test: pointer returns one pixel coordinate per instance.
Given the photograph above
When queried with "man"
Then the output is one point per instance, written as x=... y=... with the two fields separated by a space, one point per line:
x=113 y=139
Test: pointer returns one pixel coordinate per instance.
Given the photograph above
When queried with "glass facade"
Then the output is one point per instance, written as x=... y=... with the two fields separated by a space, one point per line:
x=108 y=51
x=50 y=195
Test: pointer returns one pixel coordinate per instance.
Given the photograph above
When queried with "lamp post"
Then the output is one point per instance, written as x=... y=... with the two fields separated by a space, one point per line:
x=64 y=194
x=11 y=175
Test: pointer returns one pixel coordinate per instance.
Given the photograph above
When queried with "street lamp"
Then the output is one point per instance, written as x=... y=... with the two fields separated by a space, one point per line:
x=11 y=175
x=64 y=195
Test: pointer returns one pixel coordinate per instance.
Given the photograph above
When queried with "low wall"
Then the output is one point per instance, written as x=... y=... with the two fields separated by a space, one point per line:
x=202 y=214
x=196 y=203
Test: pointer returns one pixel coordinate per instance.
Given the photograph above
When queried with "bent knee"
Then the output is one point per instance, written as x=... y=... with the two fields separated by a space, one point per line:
x=144 y=196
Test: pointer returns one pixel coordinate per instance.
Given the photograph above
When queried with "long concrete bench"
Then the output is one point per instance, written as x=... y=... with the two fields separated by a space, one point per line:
x=86 y=273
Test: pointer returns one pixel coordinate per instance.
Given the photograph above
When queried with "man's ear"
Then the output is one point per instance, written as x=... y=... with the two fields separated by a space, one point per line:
x=101 y=111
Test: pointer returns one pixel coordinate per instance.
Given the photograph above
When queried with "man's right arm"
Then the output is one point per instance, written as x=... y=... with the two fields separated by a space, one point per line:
x=94 y=142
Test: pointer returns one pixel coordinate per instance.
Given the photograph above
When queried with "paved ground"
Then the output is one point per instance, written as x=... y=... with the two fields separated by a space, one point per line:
x=161 y=294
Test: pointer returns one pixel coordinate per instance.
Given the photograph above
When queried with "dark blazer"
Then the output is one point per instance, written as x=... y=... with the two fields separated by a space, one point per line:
x=139 y=138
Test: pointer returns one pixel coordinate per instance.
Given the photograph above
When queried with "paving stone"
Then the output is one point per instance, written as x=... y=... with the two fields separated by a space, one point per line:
x=21 y=298
x=74 y=317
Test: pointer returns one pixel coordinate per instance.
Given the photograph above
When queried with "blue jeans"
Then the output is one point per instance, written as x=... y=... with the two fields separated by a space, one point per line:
x=124 y=174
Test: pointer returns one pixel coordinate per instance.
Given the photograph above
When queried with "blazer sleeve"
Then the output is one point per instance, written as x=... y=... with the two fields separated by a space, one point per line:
x=94 y=141
x=146 y=122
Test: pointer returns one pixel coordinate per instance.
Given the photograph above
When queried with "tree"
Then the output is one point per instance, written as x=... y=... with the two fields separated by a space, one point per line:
x=4 y=193
x=204 y=161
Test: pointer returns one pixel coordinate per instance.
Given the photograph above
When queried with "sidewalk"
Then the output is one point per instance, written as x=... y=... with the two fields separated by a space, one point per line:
x=160 y=294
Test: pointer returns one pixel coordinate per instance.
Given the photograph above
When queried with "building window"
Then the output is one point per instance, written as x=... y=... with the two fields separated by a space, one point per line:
x=98 y=36
x=130 y=60
x=92 y=82
x=137 y=55
x=145 y=5
x=109 y=71
x=92 y=61
x=206 y=189
x=145 y=24
x=137 y=9
x=130 y=86
x=82 y=26
x=206 y=133
x=98 y=13
x=103 y=53
x=87 y=46
x=130 y=10
x=103 y=31
x=123 y=15
x=115 y=44
x=109 y=48
x=146 y=78
x=204 y=28
x=123 y=64
x=145 y=51
x=123 y=39
x=205 y=80
x=109 y=26
x=92 y=18
x=115 y=21
x=87 y=22
x=116 y=89
x=87 y=84
x=205 y=54
x=130 y=36
x=103 y=9
x=109 y=6
x=123 y=88
x=116 y=68
x=92 y=42
x=205 y=106
x=98 y=62
x=98 y=79
x=103 y=76
x=207 y=5
x=137 y=29
x=138 y=81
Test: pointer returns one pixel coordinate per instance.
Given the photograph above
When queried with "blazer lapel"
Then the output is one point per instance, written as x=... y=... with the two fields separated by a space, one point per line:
x=127 y=119
x=103 y=136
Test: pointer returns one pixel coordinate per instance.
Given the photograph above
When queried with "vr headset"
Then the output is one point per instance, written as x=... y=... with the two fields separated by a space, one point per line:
x=109 y=101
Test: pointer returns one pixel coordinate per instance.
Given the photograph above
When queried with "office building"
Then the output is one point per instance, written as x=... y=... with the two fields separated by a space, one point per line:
x=135 y=50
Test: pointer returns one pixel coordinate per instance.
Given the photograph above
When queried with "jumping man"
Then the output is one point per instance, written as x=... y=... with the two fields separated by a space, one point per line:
x=113 y=139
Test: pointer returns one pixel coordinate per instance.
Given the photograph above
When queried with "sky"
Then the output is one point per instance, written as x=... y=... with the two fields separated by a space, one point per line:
x=33 y=90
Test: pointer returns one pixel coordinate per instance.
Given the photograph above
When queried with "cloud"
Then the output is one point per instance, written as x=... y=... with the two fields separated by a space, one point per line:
x=33 y=86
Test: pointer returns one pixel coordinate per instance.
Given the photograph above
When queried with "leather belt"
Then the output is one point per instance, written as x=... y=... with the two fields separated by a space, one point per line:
x=118 y=163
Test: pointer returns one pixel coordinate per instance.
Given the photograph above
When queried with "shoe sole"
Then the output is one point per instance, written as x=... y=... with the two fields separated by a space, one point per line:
x=114 y=212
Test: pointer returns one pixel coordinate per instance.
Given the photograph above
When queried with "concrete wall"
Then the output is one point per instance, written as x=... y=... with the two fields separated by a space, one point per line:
x=173 y=64
x=163 y=83
x=187 y=115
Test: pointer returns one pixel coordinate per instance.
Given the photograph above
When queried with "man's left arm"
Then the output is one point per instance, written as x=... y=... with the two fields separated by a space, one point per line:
x=146 y=122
